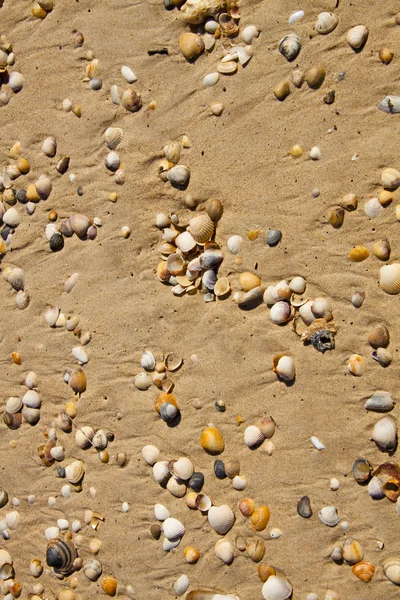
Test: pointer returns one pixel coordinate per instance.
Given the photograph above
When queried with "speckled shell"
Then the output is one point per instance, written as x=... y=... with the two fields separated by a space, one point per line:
x=61 y=554
x=201 y=228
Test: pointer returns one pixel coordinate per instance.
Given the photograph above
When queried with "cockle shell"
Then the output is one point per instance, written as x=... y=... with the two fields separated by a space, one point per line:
x=22 y=299
x=147 y=361
x=361 y=470
x=212 y=441
x=289 y=46
x=379 y=337
x=390 y=178
x=356 y=365
x=391 y=568
x=260 y=518
x=280 y=312
x=373 y=208
x=253 y=436
x=161 y=512
x=384 y=434
x=13 y=405
x=191 y=45
x=357 y=36
x=352 y=551
x=113 y=137
x=201 y=228
x=221 y=518
x=328 y=516
x=173 y=529
x=326 y=22
x=183 y=468
x=161 y=472
x=276 y=588
x=380 y=402
x=284 y=367
x=92 y=569
x=61 y=555
x=109 y=585
x=224 y=551
x=75 y=471
x=390 y=278
x=83 y=436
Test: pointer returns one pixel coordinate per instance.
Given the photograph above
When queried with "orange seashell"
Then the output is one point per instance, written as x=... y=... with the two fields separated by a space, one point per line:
x=248 y=281
x=16 y=358
x=364 y=570
x=246 y=507
x=265 y=571
x=358 y=254
x=191 y=554
x=163 y=397
x=77 y=381
x=212 y=441
x=260 y=517
x=109 y=585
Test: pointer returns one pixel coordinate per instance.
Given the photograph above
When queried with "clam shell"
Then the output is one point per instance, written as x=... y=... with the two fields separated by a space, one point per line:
x=352 y=551
x=179 y=176
x=32 y=399
x=147 y=361
x=221 y=518
x=75 y=471
x=196 y=481
x=390 y=104
x=210 y=259
x=31 y=415
x=390 y=178
x=380 y=402
x=143 y=381
x=304 y=507
x=128 y=74
x=176 y=487
x=391 y=568
x=251 y=299
x=253 y=436
x=79 y=224
x=201 y=228
x=92 y=569
x=328 y=515
x=183 y=468
x=131 y=100
x=61 y=555
x=248 y=281
x=161 y=472
x=384 y=434
x=280 y=312
x=284 y=367
x=191 y=45
x=373 y=208
x=173 y=529
x=161 y=512
x=356 y=365
x=276 y=588
x=227 y=68
x=224 y=551
x=282 y=90
x=298 y=285
x=172 y=152
x=357 y=36
x=234 y=244
x=181 y=585
x=15 y=278
x=315 y=77
x=289 y=46
x=357 y=299
x=326 y=22
x=212 y=441
x=77 y=381
x=260 y=518
x=214 y=209
x=13 y=405
x=361 y=470
x=175 y=264
x=113 y=137
x=382 y=250
x=222 y=287
x=211 y=79
x=249 y=33
x=390 y=278
x=185 y=242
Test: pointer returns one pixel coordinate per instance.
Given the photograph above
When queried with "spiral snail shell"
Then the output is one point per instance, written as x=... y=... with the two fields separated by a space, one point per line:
x=61 y=554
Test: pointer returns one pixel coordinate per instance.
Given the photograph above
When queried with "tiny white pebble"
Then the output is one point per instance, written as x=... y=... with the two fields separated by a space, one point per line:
x=76 y=526
x=315 y=153
x=62 y=523
x=194 y=358
x=334 y=484
x=380 y=544
x=72 y=177
x=130 y=591
x=66 y=491
x=31 y=499
x=345 y=525
x=317 y=443
x=67 y=104
x=15 y=502
x=354 y=157
x=275 y=533
x=269 y=447
x=315 y=193
x=125 y=507
x=52 y=501
x=92 y=492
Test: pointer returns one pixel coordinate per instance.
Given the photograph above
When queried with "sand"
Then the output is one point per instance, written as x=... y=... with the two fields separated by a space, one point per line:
x=241 y=158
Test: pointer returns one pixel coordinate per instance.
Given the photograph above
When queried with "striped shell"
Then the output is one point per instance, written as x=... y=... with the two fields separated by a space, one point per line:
x=75 y=471
x=201 y=228
x=61 y=554
x=390 y=278
x=113 y=137
x=212 y=441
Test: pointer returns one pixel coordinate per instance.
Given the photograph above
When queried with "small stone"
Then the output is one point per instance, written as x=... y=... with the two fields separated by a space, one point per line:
x=197 y=403
x=79 y=191
x=274 y=236
x=315 y=193
x=220 y=406
x=155 y=531
x=330 y=97
x=304 y=507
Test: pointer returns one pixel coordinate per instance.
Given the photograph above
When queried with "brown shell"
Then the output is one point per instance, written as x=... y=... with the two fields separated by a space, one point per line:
x=364 y=570
x=214 y=209
x=379 y=337
x=12 y=420
x=389 y=474
x=201 y=228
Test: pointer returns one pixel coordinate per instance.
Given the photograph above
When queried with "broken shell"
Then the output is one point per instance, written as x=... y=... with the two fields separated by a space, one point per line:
x=227 y=24
x=224 y=551
x=253 y=436
x=391 y=568
x=221 y=518
x=384 y=434
x=304 y=507
x=75 y=471
x=382 y=250
x=315 y=77
x=276 y=588
x=380 y=402
x=390 y=178
x=173 y=529
x=284 y=367
x=212 y=441
x=361 y=470
x=113 y=137
x=352 y=551
x=357 y=36
x=131 y=100
x=282 y=90
x=255 y=549
x=191 y=45
x=260 y=517
x=328 y=515
x=390 y=278
x=326 y=22
x=289 y=46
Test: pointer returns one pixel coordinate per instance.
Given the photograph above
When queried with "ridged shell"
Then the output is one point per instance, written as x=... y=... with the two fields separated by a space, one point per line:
x=22 y=299
x=284 y=367
x=61 y=554
x=212 y=441
x=379 y=337
x=15 y=277
x=221 y=518
x=173 y=529
x=390 y=278
x=326 y=22
x=289 y=46
x=364 y=570
x=328 y=516
x=75 y=471
x=201 y=228
x=113 y=137
x=49 y=146
x=161 y=472
x=109 y=585
x=276 y=588
x=183 y=468
x=253 y=436
x=391 y=568
x=384 y=434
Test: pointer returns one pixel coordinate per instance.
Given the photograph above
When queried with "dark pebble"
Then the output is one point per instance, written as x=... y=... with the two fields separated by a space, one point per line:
x=329 y=98
x=196 y=481
x=219 y=469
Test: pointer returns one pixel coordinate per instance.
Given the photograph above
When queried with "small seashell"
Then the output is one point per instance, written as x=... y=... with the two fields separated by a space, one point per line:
x=390 y=278
x=282 y=90
x=358 y=254
x=391 y=568
x=289 y=46
x=112 y=161
x=15 y=277
x=161 y=513
x=356 y=365
x=255 y=549
x=253 y=436
x=251 y=299
x=304 y=507
x=284 y=367
x=77 y=381
x=181 y=585
x=191 y=554
x=386 y=55
x=379 y=337
x=13 y=405
x=249 y=33
x=113 y=137
x=337 y=555
x=296 y=16
x=143 y=381
x=196 y=481
x=390 y=178
x=373 y=208
x=212 y=441
x=36 y=567
x=315 y=77
x=211 y=79
x=224 y=551
x=183 y=468
x=31 y=398
x=221 y=518
x=265 y=571
x=357 y=36
x=173 y=529
x=63 y=165
x=179 y=176
x=248 y=281
x=315 y=153
x=260 y=518
x=201 y=228
x=352 y=551
x=56 y=242
x=275 y=533
x=328 y=515
x=382 y=250
x=227 y=24
x=326 y=22
x=148 y=362
x=239 y=483
x=280 y=312
x=60 y=554
x=349 y=202
x=131 y=100
x=11 y=217
x=382 y=356
x=75 y=471
x=217 y=108
x=161 y=472
x=31 y=415
x=92 y=569
x=191 y=45
x=336 y=217
x=384 y=434
x=234 y=244
x=380 y=402
x=276 y=588
x=15 y=81
x=79 y=353
x=222 y=287
x=357 y=299
x=298 y=80
x=168 y=412
x=364 y=570
x=128 y=74
x=298 y=285
x=109 y=585
x=22 y=299
x=385 y=197
x=274 y=236
x=227 y=68
x=361 y=470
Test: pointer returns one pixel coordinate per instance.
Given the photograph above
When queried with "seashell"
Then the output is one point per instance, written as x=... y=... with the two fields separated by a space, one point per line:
x=386 y=55
x=210 y=259
x=12 y=520
x=391 y=568
x=13 y=405
x=379 y=337
x=77 y=381
x=165 y=398
x=224 y=551
x=15 y=81
x=275 y=533
x=331 y=595
x=128 y=74
x=382 y=250
x=298 y=285
x=173 y=529
x=328 y=515
x=209 y=595
x=75 y=471
x=63 y=165
x=280 y=312
x=265 y=571
x=326 y=22
x=61 y=554
x=282 y=90
x=390 y=104
x=255 y=549
x=289 y=46
x=234 y=244
x=361 y=470
x=298 y=80
x=179 y=176
x=148 y=362
x=191 y=45
x=227 y=24
x=211 y=79
x=232 y=467
x=31 y=415
x=181 y=585
x=175 y=264
x=315 y=77
x=384 y=434
x=212 y=441
x=296 y=16
x=276 y=588
x=92 y=569
x=227 y=68
x=349 y=202
x=11 y=217
x=112 y=161
x=390 y=178
x=282 y=291
x=56 y=242
x=248 y=281
x=185 y=242
x=32 y=399
x=357 y=299
x=274 y=236
x=357 y=36
x=214 y=209
x=253 y=436
x=390 y=278
x=113 y=137
x=246 y=507
x=304 y=507
x=79 y=353
x=131 y=100
x=352 y=551
x=284 y=367
x=109 y=585
x=3 y=502
x=201 y=228
x=321 y=307
x=260 y=517
x=58 y=453
x=143 y=381
x=373 y=208
x=336 y=217
x=170 y=545
x=183 y=468
x=196 y=481
x=36 y=567
x=356 y=365
x=251 y=299
x=219 y=469
x=380 y=402
x=337 y=555
x=249 y=33
x=79 y=224
x=385 y=197
x=191 y=554
x=222 y=287
x=99 y=440
x=15 y=277
x=221 y=518
x=168 y=412
x=306 y=313
x=161 y=513
x=161 y=472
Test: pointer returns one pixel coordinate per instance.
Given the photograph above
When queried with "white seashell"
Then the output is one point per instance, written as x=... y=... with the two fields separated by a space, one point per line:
x=328 y=516
x=280 y=312
x=211 y=79
x=22 y=299
x=253 y=436
x=148 y=362
x=224 y=551
x=276 y=588
x=83 y=436
x=12 y=519
x=390 y=278
x=161 y=472
x=80 y=355
x=390 y=104
x=380 y=402
x=221 y=518
x=317 y=443
x=66 y=493
x=173 y=529
x=209 y=41
x=31 y=415
x=51 y=315
x=243 y=54
x=183 y=468
x=296 y=16
x=326 y=22
x=112 y=161
x=99 y=440
x=211 y=26
x=176 y=487
x=357 y=36
x=320 y=307
x=11 y=217
x=234 y=244
x=298 y=285
x=227 y=68
x=15 y=277
x=384 y=434
x=58 y=453
x=62 y=524
x=375 y=488
x=334 y=484
x=75 y=471
x=391 y=568
x=162 y=221
x=285 y=368
x=50 y=230
x=390 y=178
x=51 y=533
x=13 y=405
x=268 y=296
x=31 y=399
x=92 y=569
x=239 y=482
x=181 y=585
x=185 y=242
x=49 y=146
x=161 y=512
x=315 y=153
x=15 y=81
x=249 y=33
x=151 y=454
x=209 y=279
x=282 y=291
x=179 y=176
x=143 y=381
x=115 y=95
x=275 y=533
x=373 y=208
x=128 y=74
x=169 y=545
x=113 y=137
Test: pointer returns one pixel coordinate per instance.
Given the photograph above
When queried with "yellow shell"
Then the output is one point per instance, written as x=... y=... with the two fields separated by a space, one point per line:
x=390 y=278
x=255 y=549
x=77 y=381
x=386 y=55
x=222 y=287
x=282 y=90
x=31 y=193
x=265 y=571
x=336 y=217
x=260 y=517
x=364 y=570
x=296 y=151
x=191 y=554
x=315 y=77
x=109 y=585
x=214 y=209
x=385 y=197
x=191 y=45
x=212 y=441
x=163 y=397
x=201 y=228
x=248 y=281
x=382 y=250
x=358 y=254
x=23 y=166
x=246 y=507
x=39 y=12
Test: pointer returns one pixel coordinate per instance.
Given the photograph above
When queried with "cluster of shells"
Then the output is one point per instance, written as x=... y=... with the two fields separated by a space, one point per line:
x=42 y=8
x=169 y=168
x=27 y=407
x=157 y=372
x=10 y=81
x=56 y=319
x=8 y=585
